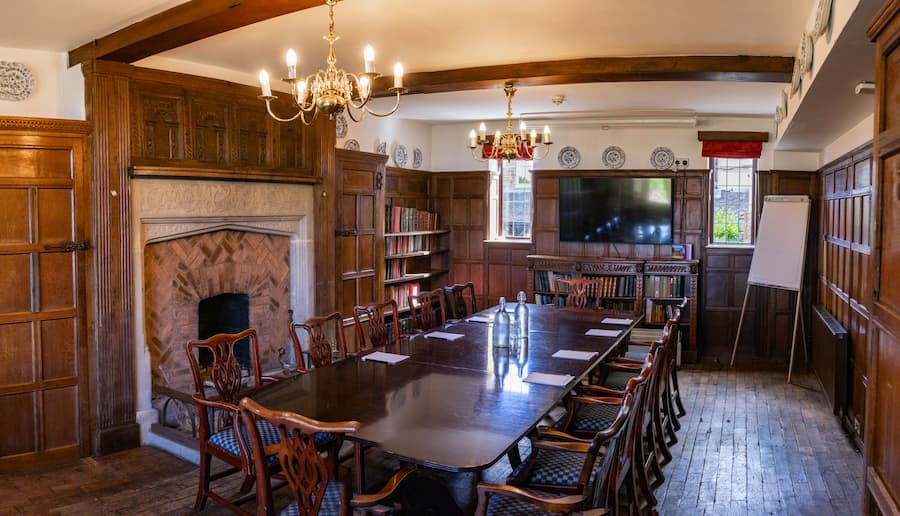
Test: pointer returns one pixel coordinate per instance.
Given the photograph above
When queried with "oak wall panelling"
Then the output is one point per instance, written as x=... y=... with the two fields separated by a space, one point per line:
x=460 y=199
x=506 y=267
x=882 y=488
x=842 y=274
x=156 y=123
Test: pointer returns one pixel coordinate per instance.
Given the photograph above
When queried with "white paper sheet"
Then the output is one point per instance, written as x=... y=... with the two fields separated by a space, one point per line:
x=443 y=335
x=614 y=320
x=381 y=356
x=556 y=380
x=603 y=333
x=575 y=355
x=478 y=318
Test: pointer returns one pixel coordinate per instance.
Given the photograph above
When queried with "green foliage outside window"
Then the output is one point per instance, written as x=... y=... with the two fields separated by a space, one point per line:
x=727 y=227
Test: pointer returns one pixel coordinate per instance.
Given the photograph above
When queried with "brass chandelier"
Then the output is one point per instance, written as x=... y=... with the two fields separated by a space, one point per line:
x=511 y=145
x=331 y=90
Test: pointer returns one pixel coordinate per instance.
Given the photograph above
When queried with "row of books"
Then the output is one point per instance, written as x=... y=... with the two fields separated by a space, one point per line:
x=544 y=280
x=408 y=244
x=615 y=286
x=656 y=313
x=398 y=219
x=664 y=286
x=395 y=269
x=401 y=293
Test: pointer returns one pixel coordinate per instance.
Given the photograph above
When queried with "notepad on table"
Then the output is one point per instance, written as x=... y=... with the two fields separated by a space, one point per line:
x=443 y=335
x=575 y=355
x=388 y=358
x=595 y=332
x=478 y=318
x=556 y=380
x=615 y=320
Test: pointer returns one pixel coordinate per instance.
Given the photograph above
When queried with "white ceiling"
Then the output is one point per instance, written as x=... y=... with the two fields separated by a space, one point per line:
x=437 y=35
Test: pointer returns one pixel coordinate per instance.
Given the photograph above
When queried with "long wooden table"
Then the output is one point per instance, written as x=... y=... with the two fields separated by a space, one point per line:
x=453 y=405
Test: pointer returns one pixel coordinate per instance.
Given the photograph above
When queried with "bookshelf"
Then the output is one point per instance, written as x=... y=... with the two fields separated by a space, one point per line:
x=650 y=287
x=416 y=253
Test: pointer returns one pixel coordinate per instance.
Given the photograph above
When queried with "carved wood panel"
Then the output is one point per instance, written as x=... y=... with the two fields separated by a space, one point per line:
x=158 y=126
x=211 y=129
x=253 y=142
x=460 y=199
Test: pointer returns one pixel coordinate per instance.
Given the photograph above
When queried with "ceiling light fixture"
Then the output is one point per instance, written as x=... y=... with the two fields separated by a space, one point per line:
x=511 y=145
x=331 y=90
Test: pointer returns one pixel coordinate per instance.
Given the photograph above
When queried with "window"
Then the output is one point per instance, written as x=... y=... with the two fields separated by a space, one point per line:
x=732 y=200
x=510 y=198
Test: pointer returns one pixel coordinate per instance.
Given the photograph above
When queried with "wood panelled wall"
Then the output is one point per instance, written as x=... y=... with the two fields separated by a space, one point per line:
x=172 y=124
x=882 y=400
x=460 y=197
x=844 y=255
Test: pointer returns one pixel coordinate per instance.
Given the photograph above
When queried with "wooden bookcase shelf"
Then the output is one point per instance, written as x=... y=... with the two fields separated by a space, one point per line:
x=415 y=258
x=650 y=287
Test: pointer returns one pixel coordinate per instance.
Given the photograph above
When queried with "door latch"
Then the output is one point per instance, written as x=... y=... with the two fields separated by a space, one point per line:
x=68 y=247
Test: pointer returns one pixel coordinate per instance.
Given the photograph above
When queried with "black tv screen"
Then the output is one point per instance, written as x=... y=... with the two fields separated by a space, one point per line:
x=635 y=210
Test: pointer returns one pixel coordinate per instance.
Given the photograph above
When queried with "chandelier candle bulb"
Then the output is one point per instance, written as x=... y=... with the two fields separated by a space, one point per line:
x=533 y=137
x=264 y=83
x=522 y=129
x=472 y=139
x=482 y=131
x=497 y=137
x=291 y=59
x=398 y=75
x=369 y=56
x=547 y=139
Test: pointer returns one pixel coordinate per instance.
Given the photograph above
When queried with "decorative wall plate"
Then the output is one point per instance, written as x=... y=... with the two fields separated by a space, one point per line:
x=795 y=77
x=568 y=157
x=662 y=158
x=351 y=144
x=613 y=157
x=823 y=18
x=381 y=148
x=806 y=54
x=340 y=126
x=400 y=155
x=417 y=157
x=16 y=81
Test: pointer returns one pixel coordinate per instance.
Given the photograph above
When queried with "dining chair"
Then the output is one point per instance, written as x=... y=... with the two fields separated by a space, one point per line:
x=577 y=292
x=427 y=309
x=216 y=395
x=372 y=328
x=460 y=300
x=504 y=499
x=326 y=339
x=314 y=483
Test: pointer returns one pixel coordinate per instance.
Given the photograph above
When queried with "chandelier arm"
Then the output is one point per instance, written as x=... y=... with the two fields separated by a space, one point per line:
x=362 y=114
x=480 y=156
x=391 y=112
x=299 y=114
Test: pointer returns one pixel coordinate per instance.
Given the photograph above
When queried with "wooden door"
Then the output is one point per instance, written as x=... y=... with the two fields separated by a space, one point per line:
x=43 y=352
x=359 y=231
x=882 y=400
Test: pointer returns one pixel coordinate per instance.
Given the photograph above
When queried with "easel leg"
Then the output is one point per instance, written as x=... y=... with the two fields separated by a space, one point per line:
x=740 y=324
x=803 y=335
x=794 y=337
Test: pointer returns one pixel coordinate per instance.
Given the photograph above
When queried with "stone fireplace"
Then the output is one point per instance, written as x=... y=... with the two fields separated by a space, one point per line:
x=195 y=240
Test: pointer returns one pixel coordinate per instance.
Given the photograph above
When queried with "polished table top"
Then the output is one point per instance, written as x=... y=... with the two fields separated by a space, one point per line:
x=455 y=405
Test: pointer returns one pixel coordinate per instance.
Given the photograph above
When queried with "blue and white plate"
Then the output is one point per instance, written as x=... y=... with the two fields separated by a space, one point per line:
x=400 y=155
x=381 y=148
x=351 y=144
x=662 y=158
x=340 y=126
x=568 y=157
x=417 y=157
x=613 y=157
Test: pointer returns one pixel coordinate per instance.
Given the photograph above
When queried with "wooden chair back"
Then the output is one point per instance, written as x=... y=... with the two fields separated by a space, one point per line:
x=460 y=300
x=372 y=330
x=308 y=473
x=427 y=309
x=326 y=337
x=225 y=373
x=577 y=292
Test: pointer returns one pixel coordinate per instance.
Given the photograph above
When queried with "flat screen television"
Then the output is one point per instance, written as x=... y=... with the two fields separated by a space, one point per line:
x=615 y=209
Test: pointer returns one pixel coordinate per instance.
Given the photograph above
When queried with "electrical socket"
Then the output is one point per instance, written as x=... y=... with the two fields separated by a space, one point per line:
x=681 y=163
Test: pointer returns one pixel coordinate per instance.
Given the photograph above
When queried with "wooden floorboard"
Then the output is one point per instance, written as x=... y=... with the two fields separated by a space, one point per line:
x=750 y=444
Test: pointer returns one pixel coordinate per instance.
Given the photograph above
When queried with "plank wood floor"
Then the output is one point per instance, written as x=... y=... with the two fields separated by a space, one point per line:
x=750 y=444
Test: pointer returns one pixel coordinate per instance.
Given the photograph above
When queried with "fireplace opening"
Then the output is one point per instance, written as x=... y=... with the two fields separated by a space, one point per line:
x=225 y=313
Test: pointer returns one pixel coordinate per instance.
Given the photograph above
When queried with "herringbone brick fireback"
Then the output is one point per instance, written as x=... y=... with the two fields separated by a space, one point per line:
x=179 y=273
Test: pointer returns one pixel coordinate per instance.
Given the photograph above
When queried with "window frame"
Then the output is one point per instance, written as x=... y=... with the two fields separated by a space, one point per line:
x=711 y=211
x=495 y=204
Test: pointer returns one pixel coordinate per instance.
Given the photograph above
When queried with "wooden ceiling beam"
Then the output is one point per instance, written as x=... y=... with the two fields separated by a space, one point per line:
x=598 y=69
x=181 y=25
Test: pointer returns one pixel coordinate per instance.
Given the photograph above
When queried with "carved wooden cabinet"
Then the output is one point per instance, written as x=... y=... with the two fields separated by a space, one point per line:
x=882 y=403
x=649 y=287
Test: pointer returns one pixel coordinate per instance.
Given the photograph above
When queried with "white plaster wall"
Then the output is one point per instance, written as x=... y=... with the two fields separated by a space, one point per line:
x=450 y=151
x=864 y=132
x=395 y=131
x=58 y=90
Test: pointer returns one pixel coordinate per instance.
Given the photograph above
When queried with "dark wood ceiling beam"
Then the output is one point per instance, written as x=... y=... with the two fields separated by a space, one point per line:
x=599 y=69
x=181 y=25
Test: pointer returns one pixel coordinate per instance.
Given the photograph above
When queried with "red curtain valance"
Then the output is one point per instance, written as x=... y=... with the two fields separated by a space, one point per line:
x=525 y=151
x=737 y=150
